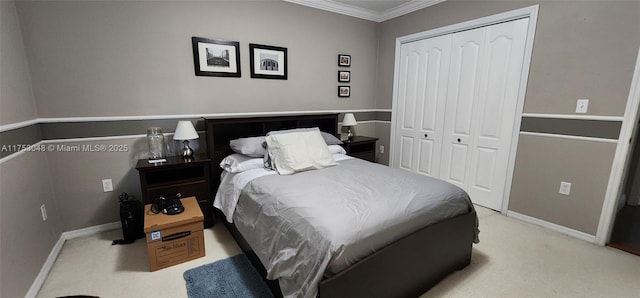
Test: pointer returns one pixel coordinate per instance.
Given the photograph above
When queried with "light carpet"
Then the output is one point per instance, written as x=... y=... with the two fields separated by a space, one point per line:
x=513 y=259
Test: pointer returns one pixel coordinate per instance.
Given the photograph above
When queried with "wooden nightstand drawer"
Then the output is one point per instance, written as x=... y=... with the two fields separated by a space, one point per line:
x=361 y=147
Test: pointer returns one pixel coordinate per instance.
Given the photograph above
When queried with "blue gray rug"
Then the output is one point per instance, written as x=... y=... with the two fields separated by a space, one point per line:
x=231 y=277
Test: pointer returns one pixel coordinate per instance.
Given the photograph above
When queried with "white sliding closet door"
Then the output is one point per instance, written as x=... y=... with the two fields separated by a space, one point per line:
x=421 y=104
x=495 y=112
x=466 y=63
x=456 y=119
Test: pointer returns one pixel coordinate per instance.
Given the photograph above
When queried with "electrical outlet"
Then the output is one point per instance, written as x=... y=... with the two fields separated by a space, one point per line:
x=43 y=210
x=582 y=106
x=565 y=188
x=107 y=185
x=381 y=150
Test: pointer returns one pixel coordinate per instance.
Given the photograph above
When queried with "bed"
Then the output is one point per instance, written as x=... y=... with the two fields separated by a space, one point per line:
x=406 y=267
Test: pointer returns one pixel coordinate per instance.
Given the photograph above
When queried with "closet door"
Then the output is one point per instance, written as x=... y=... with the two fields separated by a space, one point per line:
x=456 y=106
x=481 y=107
x=464 y=78
x=495 y=111
x=424 y=69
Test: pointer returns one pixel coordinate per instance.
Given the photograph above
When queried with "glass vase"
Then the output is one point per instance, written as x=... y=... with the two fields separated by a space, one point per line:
x=156 y=143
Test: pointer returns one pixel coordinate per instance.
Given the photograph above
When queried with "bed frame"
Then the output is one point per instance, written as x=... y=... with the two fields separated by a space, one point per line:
x=407 y=267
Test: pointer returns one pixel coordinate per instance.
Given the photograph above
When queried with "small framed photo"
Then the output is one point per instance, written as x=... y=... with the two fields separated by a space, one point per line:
x=218 y=58
x=344 y=91
x=344 y=76
x=268 y=62
x=344 y=60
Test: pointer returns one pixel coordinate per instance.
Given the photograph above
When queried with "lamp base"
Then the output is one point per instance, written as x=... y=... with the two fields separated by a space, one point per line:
x=186 y=152
x=349 y=133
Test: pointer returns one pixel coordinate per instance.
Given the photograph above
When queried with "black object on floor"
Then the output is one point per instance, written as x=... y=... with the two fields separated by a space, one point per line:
x=131 y=218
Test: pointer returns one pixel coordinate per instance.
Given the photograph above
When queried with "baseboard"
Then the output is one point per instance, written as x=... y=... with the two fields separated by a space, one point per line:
x=91 y=230
x=55 y=251
x=558 y=228
x=46 y=267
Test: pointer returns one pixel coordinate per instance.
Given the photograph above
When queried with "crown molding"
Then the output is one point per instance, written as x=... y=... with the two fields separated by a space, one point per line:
x=406 y=8
x=367 y=14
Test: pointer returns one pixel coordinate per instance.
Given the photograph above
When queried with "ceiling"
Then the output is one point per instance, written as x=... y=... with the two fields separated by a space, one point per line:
x=372 y=10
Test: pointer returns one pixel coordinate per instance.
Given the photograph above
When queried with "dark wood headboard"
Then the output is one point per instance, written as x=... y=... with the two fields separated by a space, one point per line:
x=221 y=130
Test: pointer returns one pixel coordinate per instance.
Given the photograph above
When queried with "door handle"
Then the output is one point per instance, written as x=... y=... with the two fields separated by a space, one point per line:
x=458 y=140
x=426 y=135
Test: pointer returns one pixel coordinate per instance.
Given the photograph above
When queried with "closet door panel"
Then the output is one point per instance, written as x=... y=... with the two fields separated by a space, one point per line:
x=466 y=63
x=407 y=102
x=421 y=102
x=425 y=162
x=436 y=72
x=496 y=110
x=406 y=157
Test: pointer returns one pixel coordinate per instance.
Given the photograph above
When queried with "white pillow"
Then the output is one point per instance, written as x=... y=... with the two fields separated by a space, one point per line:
x=298 y=151
x=236 y=163
x=336 y=149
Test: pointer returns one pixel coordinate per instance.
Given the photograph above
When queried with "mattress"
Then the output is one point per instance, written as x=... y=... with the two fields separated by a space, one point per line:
x=316 y=223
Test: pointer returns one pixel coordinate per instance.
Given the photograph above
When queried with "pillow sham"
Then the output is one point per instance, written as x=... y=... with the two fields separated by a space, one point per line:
x=252 y=146
x=333 y=149
x=236 y=163
x=327 y=137
x=299 y=151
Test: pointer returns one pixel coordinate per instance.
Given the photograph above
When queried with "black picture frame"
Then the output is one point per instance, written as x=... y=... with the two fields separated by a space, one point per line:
x=216 y=58
x=344 y=76
x=268 y=62
x=344 y=91
x=344 y=60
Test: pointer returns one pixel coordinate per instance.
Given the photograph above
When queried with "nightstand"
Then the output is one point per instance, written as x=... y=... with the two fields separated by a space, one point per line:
x=178 y=177
x=361 y=147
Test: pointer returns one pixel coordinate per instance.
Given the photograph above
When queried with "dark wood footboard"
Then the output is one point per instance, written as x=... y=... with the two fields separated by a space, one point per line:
x=409 y=266
x=406 y=268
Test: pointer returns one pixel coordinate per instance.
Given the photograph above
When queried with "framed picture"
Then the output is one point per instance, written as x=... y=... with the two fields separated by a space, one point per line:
x=344 y=91
x=268 y=62
x=344 y=76
x=344 y=60
x=217 y=58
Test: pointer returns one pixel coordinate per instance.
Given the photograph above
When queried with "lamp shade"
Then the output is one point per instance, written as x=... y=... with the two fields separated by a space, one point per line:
x=185 y=131
x=349 y=120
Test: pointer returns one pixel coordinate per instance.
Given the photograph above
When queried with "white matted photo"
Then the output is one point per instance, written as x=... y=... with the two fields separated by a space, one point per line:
x=268 y=62
x=344 y=91
x=216 y=57
x=344 y=76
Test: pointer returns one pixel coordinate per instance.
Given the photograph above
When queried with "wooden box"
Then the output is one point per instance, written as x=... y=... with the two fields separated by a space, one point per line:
x=174 y=239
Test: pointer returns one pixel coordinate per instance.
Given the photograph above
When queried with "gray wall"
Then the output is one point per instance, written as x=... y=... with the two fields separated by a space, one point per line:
x=107 y=58
x=582 y=49
x=16 y=95
x=97 y=59
x=131 y=58
x=25 y=184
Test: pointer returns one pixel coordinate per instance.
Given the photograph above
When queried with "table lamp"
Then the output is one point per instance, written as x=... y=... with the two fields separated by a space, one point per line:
x=349 y=120
x=185 y=132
